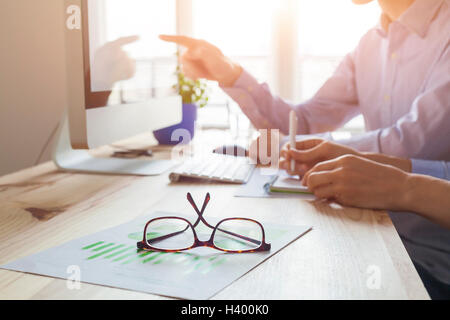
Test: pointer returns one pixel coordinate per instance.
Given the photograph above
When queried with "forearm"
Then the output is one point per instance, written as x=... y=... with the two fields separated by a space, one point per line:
x=422 y=133
x=264 y=110
x=327 y=111
x=402 y=164
x=425 y=195
x=428 y=197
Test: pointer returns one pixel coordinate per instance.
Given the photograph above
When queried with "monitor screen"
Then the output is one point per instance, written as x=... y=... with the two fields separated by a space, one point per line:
x=124 y=60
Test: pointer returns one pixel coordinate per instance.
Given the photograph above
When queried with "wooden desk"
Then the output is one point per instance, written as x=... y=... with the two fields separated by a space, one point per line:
x=41 y=207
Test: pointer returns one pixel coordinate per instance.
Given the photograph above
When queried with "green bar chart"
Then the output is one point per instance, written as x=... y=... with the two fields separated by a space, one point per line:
x=126 y=254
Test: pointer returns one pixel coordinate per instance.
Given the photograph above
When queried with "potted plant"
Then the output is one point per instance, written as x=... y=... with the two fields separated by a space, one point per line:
x=194 y=95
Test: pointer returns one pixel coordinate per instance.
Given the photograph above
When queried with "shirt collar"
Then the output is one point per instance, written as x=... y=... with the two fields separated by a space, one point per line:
x=416 y=18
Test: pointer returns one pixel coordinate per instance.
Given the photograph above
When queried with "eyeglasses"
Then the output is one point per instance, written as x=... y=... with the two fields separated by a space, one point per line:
x=175 y=234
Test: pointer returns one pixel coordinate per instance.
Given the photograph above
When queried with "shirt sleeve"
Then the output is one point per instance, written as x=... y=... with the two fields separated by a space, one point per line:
x=424 y=132
x=333 y=105
x=437 y=169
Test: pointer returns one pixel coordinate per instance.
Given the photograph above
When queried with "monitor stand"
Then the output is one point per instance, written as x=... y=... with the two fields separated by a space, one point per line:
x=68 y=159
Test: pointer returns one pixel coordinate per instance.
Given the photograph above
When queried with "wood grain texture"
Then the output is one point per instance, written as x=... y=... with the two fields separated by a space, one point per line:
x=332 y=261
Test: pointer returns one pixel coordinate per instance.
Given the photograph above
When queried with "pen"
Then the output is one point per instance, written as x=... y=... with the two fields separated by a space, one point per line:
x=292 y=134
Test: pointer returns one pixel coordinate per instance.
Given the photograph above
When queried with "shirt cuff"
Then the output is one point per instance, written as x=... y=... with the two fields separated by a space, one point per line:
x=437 y=169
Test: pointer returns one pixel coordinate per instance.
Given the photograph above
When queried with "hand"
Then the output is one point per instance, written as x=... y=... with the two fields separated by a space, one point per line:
x=203 y=60
x=359 y=182
x=308 y=153
x=111 y=64
x=312 y=151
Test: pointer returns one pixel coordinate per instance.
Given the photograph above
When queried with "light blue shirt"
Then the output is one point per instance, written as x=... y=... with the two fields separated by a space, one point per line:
x=427 y=243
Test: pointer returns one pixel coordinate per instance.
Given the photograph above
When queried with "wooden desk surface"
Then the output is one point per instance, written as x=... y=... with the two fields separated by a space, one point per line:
x=41 y=207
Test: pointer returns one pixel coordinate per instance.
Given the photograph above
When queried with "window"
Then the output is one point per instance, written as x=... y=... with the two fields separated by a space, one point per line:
x=327 y=31
x=249 y=31
x=242 y=30
x=294 y=45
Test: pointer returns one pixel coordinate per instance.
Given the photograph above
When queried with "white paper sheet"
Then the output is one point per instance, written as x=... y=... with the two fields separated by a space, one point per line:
x=110 y=258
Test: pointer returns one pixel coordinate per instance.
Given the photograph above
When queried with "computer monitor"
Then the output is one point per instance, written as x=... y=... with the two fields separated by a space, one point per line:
x=120 y=75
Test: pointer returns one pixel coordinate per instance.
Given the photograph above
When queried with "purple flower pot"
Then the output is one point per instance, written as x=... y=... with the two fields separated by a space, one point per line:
x=168 y=136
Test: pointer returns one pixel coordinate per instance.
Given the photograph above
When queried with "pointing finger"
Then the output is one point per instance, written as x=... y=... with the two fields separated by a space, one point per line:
x=181 y=40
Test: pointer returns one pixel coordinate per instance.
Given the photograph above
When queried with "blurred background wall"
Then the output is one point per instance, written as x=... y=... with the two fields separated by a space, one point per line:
x=32 y=80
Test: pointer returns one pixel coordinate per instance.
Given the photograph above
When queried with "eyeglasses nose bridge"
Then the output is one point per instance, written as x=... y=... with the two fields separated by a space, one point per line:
x=202 y=243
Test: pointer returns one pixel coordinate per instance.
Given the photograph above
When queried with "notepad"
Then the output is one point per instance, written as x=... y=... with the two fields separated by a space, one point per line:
x=288 y=184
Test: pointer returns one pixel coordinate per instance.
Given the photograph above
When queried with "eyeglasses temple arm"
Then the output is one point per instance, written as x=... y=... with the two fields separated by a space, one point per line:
x=167 y=236
x=205 y=203
x=242 y=237
x=200 y=213
x=228 y=232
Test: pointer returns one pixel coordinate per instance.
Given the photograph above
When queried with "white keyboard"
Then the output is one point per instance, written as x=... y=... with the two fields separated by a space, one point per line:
x=215 y=167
